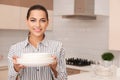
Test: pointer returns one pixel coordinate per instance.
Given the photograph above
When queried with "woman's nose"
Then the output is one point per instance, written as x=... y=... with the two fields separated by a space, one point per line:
x=37 y=24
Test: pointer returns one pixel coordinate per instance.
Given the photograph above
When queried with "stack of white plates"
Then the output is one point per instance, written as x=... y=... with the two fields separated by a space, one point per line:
x=35 y=59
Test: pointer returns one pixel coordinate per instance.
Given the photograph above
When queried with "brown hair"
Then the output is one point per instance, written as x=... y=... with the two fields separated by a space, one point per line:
x=37 y=7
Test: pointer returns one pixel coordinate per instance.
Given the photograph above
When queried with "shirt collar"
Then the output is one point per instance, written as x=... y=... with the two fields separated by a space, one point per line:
x=26 y=42
x=44 y=42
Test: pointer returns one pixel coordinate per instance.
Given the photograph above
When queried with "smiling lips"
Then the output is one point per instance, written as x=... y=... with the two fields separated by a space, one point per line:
x=37 y=29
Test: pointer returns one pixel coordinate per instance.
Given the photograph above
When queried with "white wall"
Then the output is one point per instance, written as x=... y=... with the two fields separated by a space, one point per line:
x=8 y=38
x=81 y=38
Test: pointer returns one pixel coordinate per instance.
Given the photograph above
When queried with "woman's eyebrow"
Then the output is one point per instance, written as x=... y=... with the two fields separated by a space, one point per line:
x=43 y=18
x=32 y=18
x=35 y=18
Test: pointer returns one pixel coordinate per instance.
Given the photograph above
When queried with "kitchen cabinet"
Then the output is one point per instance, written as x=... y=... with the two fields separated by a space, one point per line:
x=81 y=7
x=9 y=17
x=102 y=7
x=12 y=17
x=114 y=29
x=73 y=7
x=3 y=69
x=3 y=74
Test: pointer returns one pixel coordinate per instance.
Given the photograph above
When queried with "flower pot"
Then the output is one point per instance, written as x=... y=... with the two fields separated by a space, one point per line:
x=107 y=63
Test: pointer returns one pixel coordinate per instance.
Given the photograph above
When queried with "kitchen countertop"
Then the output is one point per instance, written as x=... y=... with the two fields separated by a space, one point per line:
x=88 y=74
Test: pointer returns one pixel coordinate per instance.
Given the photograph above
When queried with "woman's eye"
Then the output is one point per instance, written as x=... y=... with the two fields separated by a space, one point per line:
x=32 y=20
x=42 y=20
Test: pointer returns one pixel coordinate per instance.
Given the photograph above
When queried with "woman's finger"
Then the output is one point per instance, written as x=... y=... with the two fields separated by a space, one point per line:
x=15 y=59
x=54 y=57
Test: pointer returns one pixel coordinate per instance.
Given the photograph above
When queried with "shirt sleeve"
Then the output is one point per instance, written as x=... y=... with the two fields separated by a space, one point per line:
x=12 y=74
x=61 y=67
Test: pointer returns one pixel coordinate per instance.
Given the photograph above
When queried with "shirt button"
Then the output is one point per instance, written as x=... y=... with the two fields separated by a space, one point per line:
x=36 y=50
x=37 y=69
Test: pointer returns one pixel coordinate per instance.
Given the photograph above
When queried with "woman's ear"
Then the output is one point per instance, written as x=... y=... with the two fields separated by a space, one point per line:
x=47 y=23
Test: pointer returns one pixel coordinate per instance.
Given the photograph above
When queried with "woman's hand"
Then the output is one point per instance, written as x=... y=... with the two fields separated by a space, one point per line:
x=53 y=65
x=17 y=66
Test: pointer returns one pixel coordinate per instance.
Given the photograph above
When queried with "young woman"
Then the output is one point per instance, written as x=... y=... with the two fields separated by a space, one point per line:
x=36 y=42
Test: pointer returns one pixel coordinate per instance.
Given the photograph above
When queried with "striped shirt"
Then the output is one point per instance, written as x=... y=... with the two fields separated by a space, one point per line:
x=39 y=72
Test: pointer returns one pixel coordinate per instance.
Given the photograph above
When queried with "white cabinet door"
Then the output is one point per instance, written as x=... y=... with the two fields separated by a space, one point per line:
x=9 y=17
x=114 y=32
x=4 y=74
x=102 y=7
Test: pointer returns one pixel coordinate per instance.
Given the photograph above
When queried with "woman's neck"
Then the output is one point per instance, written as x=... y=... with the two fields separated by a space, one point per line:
x=35 y=40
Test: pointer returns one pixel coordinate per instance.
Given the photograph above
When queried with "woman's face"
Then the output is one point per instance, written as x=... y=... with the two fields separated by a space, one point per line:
x=37 y=23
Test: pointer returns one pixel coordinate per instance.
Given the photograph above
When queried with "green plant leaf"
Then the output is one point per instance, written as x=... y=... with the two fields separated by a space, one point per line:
x=108 y=56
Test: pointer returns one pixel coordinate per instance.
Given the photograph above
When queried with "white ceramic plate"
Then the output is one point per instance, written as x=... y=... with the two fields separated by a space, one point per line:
x=33 y=63
x=35 y=59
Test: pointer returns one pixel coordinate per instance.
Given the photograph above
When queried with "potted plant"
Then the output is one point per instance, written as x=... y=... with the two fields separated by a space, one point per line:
x=107 y=58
